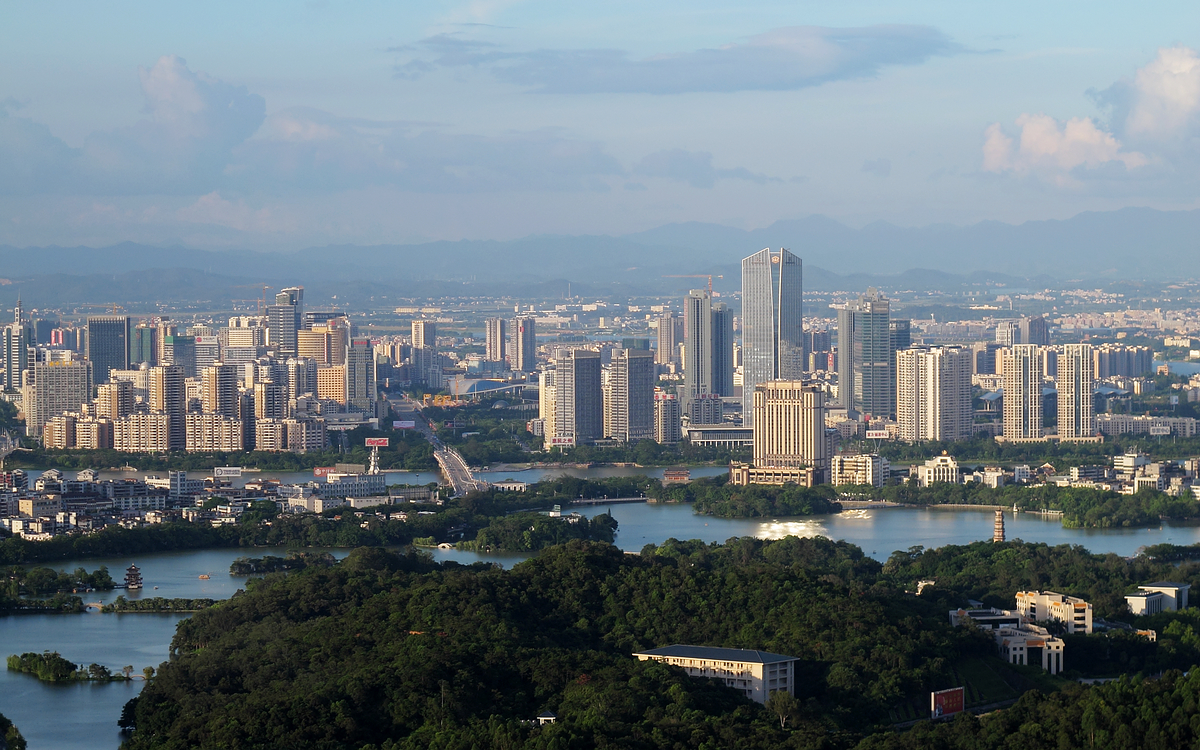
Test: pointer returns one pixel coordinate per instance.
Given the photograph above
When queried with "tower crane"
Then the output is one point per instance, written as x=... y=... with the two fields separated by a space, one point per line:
x=708 y=276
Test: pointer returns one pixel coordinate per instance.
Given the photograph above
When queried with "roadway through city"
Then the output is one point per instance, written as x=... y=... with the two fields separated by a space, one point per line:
x=454 y=466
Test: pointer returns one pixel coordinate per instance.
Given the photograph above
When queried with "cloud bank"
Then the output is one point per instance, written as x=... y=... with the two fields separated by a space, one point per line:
x=782 y=59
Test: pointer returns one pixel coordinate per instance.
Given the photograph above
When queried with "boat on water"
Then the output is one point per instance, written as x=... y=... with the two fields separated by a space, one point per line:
x=204 y=576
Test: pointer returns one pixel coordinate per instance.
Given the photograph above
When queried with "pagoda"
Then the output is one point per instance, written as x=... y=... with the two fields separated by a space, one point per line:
x=998 y=527
x=133 y=577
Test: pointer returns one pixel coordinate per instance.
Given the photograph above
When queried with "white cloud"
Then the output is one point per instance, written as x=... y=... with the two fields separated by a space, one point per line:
x=1163 y=99
x=1051 y=148
x=213 y=209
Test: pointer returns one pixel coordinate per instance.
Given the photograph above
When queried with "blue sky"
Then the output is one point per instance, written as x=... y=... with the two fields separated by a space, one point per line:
x=281 y=125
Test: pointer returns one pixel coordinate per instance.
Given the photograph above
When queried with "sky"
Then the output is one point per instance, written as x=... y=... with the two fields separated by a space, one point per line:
x=282 y=125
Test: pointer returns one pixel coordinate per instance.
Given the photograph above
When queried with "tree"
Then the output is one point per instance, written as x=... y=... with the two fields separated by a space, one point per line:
x=127 y=670
x=148 y=673
x=783 y=704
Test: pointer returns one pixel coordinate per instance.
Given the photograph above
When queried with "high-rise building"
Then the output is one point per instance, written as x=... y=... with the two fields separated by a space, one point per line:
x=325 y=343
x=496 y=343
x=670 y=334
x=294 y=296
x=331 y=383
x=269 y=402
x=143 y=345
x=301 y=377
x=933 y=393
x=547 y=402
x=772 y=322
x=178 y=350
x=1111 y=360
x=1034 y=331
x=668 y=427
x=1022 y=366
x=722 y=350
x=697 y=346
x=523 y=357
x=579 y=400
x=901 y=333
x=281 y=329
x=219 y=384
x=52 y=388
x=789 y=427
x=1076 y=399
x=17 y=340
x=213 y=432
x=1008 y=333
x=362 y=391
x=107 y=344
x=866 y=384
x=149 y=433
x=424 y=334
x=629 y=396
x=166 y=389
x=985 y=357
x=114 y=399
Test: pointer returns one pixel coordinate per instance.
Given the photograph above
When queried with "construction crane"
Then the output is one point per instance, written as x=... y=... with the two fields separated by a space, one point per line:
x=262 y=300
x=708 y=276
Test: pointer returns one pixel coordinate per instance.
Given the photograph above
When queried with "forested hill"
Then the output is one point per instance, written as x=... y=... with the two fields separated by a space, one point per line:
x=396 y=651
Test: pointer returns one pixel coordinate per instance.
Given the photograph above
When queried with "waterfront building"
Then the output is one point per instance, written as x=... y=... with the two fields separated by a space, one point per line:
x=862 y=469
x=789 y=436
x=52 y=388
x=933 y=393
x=866 y=360
x=547 y=402
x=667 y=421
x=133 y=577
x=754 y=674
x=1076 y=400
x=579 y=399
x=629 y=396
x=213 y=432
x=772 y=322
x=941 y=468
x=1022 y=374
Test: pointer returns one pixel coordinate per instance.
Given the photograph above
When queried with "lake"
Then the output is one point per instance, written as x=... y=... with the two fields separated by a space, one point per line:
x=85 y=715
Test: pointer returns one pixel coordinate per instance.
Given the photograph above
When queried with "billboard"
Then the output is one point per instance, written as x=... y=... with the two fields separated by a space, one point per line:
x=1160 y=429
x=206 y=340
x=562 y=441
x=323 y=471
x=377 y=442
x=225 y=472
x=943 y=703
x=403 y=424
x=877 y=434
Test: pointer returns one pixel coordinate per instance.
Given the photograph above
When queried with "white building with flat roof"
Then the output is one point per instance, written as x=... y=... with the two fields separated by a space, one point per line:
x=1043 y=606
x=1160 y=596
x=756 y=674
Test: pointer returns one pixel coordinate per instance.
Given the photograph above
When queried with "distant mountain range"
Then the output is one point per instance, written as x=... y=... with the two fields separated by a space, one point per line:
x=1095 y=247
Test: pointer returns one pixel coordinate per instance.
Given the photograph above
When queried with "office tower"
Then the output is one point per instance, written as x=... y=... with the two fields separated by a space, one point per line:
x=818 y=341
x=667 y=424
x=424 y=334
x=51 y=388
x=208 y=345
x=629 y=396
x=1034 y=331
x=933 y=393
x=579 y=401
x=547 y=403
x=281 y=329
x=722 y=350
x=107 y=344
x=114 y=399
x=219 y=389
x=361 y=389
x=637 y=345
x=1008 y=333
x=294 y=296
x=789 y=427
x=17 y=340
x=43 y=331
x=670 y=334
x=901 y=334
x=179 y=350
x=1076 y=399
x=1022 y=368
x=143 y=346
x=301 y=377
x=523 y=357
x=319 y=317
x=331 y=383
x=325 y=343
x=865 y=356
x=497 y=340
x=269 y=402
x=697 y=346
x=772 y=322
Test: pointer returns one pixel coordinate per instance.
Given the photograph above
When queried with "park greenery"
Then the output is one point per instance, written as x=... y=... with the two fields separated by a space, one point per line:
x=985 y=450
x=156 y=604
x=10 y=737
x=52 y=667
x=252 y=566
x=529 y=532
x=389 y=650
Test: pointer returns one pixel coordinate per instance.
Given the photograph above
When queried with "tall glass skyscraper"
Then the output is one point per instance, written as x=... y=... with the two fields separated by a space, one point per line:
x=772 y=322
x=866 y=358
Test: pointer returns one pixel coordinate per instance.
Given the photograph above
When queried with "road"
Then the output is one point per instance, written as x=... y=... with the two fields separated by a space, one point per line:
x=454 y=467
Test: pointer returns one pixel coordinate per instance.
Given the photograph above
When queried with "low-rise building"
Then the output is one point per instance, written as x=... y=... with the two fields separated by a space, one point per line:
x=939 y=469
x=867 y=468
x=756 y=674
x=1018 y=641
x=1160 y=596
x=1042 y=606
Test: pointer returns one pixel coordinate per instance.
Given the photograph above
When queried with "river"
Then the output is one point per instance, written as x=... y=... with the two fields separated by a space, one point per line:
x=84 y=715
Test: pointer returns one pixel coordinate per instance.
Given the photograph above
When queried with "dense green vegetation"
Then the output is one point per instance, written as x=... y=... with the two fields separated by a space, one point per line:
x=716 y=498
x=646 y=453
x=9 y=736
x=982 y=448
x=51 y=667
x=250 y=566
x=529 y=532
x=396 y=652
x=40 y=581
x=1082 y=507
x=157 y=604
